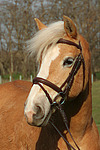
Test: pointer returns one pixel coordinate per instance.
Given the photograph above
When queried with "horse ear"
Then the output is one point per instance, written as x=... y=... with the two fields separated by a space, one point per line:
x=70 y=27
x=40 y=24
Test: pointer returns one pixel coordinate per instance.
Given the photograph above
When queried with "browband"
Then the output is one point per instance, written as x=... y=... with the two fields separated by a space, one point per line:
x=70 y=43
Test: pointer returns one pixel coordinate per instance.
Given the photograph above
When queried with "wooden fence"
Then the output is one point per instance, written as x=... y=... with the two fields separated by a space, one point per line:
x=31 y=79
x=10 y=79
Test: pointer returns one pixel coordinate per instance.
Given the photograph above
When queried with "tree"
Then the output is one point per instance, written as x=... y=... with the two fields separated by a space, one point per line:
x=18 y=25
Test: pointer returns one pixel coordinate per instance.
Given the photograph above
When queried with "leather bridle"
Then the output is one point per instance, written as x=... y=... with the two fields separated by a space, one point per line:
x=70 y=78
x=64 y=89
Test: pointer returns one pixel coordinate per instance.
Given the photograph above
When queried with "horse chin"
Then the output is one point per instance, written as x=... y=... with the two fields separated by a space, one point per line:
x=46 y=120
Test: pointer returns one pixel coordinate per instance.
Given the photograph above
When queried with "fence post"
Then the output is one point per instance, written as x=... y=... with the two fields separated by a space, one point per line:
x=0 y=79
x=31 y=78
x=20 y=77
x=92 y=78
x=10 y=79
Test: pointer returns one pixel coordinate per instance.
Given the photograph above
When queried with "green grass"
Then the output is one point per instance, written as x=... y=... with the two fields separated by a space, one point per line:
x=14 y=76
x=98 y=75
x=96 y=103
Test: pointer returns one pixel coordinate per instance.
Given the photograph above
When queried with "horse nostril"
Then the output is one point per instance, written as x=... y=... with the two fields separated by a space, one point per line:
x=34 y=115
x=39 y=114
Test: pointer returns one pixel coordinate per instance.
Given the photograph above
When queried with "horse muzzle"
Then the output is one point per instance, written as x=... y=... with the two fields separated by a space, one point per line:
x=35 y=116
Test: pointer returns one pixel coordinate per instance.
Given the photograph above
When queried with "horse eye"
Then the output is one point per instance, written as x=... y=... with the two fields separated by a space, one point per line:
x=68 y=62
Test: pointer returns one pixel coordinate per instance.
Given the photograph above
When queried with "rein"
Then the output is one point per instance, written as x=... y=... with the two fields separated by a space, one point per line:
x=64 y=89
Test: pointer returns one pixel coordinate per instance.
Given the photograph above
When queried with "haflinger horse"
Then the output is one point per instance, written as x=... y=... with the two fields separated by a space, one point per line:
x=59 y=104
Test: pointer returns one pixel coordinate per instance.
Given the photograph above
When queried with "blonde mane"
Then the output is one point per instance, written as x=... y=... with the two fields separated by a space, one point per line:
x=46 y=37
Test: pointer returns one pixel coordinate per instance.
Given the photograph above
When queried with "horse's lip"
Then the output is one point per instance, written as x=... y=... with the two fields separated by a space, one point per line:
x=44 y=123
x=31 y=124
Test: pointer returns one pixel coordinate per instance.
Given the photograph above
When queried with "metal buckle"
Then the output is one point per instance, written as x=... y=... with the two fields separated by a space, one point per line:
x=62 y=101
x=61 y=94
x=56 y=102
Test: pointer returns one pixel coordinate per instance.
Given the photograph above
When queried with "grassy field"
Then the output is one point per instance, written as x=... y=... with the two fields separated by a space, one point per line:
x=96 y=103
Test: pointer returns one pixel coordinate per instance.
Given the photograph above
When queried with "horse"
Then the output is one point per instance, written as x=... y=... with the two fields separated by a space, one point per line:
x=57 y=114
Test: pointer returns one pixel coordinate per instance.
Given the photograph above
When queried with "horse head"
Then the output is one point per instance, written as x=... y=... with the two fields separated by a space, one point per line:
x=58 y=49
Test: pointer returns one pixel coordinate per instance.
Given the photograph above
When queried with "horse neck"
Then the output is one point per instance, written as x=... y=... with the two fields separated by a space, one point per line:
x=79 y=113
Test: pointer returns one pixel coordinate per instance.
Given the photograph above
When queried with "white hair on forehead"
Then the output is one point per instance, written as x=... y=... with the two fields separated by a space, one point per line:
x=45 y=37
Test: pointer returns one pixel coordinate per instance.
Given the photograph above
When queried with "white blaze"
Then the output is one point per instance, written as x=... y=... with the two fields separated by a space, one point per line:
x=51 y=55
x=34 y=95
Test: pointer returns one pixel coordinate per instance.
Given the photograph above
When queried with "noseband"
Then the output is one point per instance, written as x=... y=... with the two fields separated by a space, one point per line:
x=63 y=90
